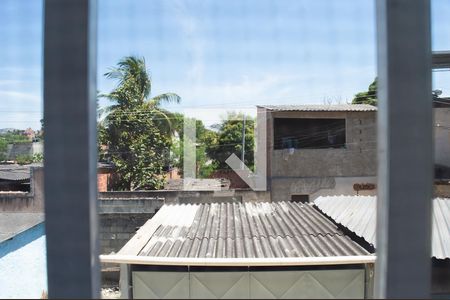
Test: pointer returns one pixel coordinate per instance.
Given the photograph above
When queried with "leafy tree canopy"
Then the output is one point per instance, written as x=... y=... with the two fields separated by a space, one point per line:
x=228 y=140
x=213 y=147
x=136 y=130
x=369 y=96
x=204 y=138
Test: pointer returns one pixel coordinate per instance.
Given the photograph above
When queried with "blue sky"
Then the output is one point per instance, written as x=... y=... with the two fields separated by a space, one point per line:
x=214 y=54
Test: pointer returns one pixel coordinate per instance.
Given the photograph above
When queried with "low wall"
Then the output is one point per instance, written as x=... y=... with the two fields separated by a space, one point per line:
x=117 y=229
x=284 y=188
x=26 y=202
x=442 y=190
x=175 y=196
x=122 y=213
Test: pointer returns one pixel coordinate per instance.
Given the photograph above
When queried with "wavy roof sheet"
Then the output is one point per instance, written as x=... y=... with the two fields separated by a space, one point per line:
x=15 y=172
x=318 y=107
x=358 y=214
x=240 y=230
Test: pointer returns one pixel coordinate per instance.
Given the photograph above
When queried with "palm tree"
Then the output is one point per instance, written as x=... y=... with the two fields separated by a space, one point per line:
x=136 y=129
x=133 y=89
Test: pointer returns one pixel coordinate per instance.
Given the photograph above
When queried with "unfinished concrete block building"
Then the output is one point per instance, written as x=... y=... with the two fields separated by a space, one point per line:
x=315 y=150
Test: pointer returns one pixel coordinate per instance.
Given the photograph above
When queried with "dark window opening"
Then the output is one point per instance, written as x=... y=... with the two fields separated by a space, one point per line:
x=300 y=198
x=309 y=133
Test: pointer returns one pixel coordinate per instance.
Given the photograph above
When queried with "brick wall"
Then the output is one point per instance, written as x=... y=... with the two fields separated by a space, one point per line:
x=102 y=182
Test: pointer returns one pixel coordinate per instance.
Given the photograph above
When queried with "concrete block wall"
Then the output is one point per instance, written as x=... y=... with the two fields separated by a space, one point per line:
x=122 y=213
x=322 y=171
x=358 y=158
x=118 y=228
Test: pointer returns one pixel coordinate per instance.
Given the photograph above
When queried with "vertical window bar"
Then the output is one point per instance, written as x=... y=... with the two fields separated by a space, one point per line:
x=405 y=144
x=70 y=149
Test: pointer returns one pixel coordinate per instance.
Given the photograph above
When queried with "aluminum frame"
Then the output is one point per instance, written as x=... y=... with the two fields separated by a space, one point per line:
x=70 y=154
x=70 y=149
x=405 y=149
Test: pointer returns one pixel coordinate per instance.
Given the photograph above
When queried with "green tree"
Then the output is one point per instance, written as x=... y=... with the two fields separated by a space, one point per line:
x=136 y=130
x=229 y=141
x=38 y=158
x=369 y=96
x=3 y=149
x=14 y=137
x=204 y=138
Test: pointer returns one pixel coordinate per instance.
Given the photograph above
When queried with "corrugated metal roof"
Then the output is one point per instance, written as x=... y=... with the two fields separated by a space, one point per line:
x=358 y=214
x=15 y=172
x=440 y=246
x=241 y=230
x=313 y=107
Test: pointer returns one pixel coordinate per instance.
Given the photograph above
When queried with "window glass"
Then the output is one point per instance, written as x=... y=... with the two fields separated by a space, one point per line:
x=23 y=270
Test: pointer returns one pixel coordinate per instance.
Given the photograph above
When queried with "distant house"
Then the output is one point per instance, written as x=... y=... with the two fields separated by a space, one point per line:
x=315 y=150
x=30 y=134
x=21 y=186
x=15 y=178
